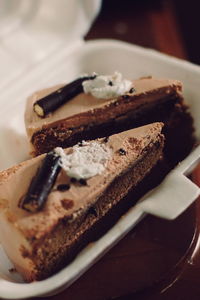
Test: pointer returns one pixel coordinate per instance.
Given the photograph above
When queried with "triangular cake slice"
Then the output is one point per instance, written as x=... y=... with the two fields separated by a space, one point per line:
x=51 y=205
x=85 y=116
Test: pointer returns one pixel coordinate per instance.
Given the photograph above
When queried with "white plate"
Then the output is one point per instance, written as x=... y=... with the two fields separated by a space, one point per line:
x=102 y=56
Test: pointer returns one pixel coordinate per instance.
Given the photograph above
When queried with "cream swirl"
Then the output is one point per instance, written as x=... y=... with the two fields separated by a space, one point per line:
x=86 y=160
x=107 y=86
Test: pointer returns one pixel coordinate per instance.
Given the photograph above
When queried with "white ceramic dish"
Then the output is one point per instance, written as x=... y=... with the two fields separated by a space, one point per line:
x=168 y=200
x=63 y=64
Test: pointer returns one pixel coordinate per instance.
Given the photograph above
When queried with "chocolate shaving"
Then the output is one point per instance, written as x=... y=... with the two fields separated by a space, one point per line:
x=132 y=90
x=80 y=144
x=73 y=180
x=92 y=210
x=41 y=183
x=63 y=187
x=106 y=139
x=125 y=96
x=122 y=151
x=54 y=100
x=82 y=181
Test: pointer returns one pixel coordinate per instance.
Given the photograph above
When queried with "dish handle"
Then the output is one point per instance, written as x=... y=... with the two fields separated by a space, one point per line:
x=171 y=197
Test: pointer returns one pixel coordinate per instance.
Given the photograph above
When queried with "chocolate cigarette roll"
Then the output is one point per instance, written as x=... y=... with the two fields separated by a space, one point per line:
x=42 y=183
x=53 y=101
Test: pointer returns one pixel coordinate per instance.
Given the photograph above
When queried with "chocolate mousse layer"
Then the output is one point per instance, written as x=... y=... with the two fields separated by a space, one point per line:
x=42 y=242
x=86 y=117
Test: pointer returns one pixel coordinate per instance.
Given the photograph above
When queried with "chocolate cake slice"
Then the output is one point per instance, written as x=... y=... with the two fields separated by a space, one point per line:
x=62 y=116
x=56 y=203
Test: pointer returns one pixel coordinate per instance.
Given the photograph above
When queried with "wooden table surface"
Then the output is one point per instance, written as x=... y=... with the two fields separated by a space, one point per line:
x=158 y=259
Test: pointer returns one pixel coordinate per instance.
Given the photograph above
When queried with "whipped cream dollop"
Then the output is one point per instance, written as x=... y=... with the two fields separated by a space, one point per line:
x=107 y=86
x=86 y=160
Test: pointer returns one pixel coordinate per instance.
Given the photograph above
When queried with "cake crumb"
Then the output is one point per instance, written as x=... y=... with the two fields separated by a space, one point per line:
x=12 y=270
x=67 y=203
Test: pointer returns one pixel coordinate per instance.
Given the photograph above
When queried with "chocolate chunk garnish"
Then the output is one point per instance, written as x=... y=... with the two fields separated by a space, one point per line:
x=122 y=151
x=63 y=187
x=53 y=101
x=42 y=183
x=110 y=83
x=82 y=181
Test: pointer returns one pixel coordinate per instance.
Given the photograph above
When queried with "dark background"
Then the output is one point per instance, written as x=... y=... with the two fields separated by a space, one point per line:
x=170 y=26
